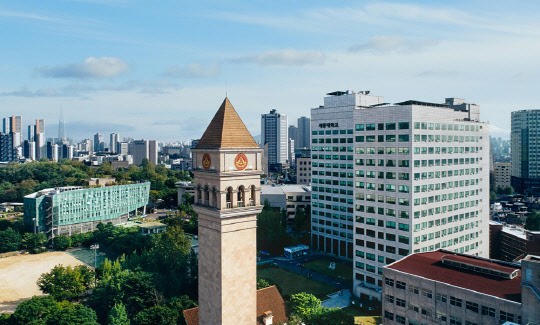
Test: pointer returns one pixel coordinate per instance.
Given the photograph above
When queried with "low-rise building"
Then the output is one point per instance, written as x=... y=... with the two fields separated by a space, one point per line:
x=444 y=287
x=287 y=197
x=101 y=181
x=67 y=210
x=510 y=243
x=184 y=187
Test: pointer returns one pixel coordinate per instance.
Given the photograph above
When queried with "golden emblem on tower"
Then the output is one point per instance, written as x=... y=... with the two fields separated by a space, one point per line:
x=240 y=162
x=206 y=161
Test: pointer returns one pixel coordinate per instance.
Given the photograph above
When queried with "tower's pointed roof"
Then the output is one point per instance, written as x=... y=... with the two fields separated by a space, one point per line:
x=227 y=130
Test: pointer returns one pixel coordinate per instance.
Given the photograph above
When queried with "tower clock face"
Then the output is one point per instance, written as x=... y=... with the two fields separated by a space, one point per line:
x=241 y=161
x=206 y=161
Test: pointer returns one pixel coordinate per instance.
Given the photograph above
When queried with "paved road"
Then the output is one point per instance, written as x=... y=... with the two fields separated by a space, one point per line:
x=340 y=299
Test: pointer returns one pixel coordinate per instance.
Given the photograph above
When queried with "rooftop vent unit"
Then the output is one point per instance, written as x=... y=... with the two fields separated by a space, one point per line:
x=480 y=266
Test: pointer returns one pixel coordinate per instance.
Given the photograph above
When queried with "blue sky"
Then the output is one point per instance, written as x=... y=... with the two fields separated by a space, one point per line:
x=160 y=69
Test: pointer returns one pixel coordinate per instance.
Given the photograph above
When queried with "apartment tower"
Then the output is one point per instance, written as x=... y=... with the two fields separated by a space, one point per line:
x=525 y=143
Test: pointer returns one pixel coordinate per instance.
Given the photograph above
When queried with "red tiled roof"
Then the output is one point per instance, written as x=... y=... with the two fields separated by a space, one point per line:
x=192 y=316
x=268 y=299
x=429 y=265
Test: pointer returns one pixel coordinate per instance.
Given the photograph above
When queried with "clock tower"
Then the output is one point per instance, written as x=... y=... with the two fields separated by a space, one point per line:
x=227 y=169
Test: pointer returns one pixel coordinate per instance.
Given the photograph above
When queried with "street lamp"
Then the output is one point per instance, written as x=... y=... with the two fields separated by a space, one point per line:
x=95 y=247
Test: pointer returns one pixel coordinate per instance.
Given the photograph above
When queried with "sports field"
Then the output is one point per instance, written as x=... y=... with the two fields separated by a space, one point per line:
x=18 y=276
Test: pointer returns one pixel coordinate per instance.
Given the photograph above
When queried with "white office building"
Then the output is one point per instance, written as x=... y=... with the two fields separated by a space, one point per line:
x=275 y=133
x=410 y=177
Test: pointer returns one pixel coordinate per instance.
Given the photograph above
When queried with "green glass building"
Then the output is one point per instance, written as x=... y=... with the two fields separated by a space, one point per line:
x=67 y=210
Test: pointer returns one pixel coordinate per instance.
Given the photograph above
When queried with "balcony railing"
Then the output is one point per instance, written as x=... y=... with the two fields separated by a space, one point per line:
x=229 y=205
x=251 y=203
x=241 y=204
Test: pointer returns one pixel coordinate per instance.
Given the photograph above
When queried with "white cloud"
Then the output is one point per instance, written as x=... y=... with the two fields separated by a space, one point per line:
x=390 y=43
x=31 y=16
x=99 y=68
x=193 y=70
x=288 y=57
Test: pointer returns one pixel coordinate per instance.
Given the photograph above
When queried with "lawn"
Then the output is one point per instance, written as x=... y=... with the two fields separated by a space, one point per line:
x=342 y=271
x=361 y=317
x=291 y=283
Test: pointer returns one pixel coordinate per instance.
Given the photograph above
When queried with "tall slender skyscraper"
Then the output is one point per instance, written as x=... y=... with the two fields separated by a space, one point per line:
x=113 y=143
x=39 y=138
x=99 y=145
x=275 y=133
x=61 y=126
x=303 y=133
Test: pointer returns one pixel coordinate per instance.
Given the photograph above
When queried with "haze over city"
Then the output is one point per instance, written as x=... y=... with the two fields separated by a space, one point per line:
x=157 y=70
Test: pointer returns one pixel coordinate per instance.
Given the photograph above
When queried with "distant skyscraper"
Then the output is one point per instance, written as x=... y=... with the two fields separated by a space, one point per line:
x=14 y=124
x=6 y=125
x=113 y=143
x=293 y=134
x=303 y=133
x=153 y=152
x=525 y=138
x=99 y=145
x=275 y=133
x=52 y=151
x=61 y=127
x=39 y=138
x=6 y=147
x=139 y=149
x=29 y=149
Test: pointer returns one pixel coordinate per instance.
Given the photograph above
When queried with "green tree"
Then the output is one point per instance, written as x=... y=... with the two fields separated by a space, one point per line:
x=10 y=240
x=262 y=283
x=304 y=304
x=32 y=241
x=107 y=269
x=34 y=311
x=61 y=243
x=532 y=222
x=156 y=315
x=68 y=313
x=65 y=282
x=492 y=196
x=136 y=290
x=271 y=236
x=118 y=315
x=300 y=220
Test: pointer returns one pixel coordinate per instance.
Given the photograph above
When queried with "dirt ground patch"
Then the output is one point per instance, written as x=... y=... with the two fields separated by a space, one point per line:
x=18 y=276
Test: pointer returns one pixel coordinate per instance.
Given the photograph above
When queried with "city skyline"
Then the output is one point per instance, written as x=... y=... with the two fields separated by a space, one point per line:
x=156 y=85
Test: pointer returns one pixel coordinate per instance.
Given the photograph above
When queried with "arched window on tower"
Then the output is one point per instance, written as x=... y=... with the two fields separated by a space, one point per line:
x=241 y=196
x=252 y=199
x=214 y=197
x=228 y=197
x=198 y=195
x=206 y=195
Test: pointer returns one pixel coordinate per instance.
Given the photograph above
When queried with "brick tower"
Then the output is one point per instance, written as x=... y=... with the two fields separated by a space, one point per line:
x=227 y=169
